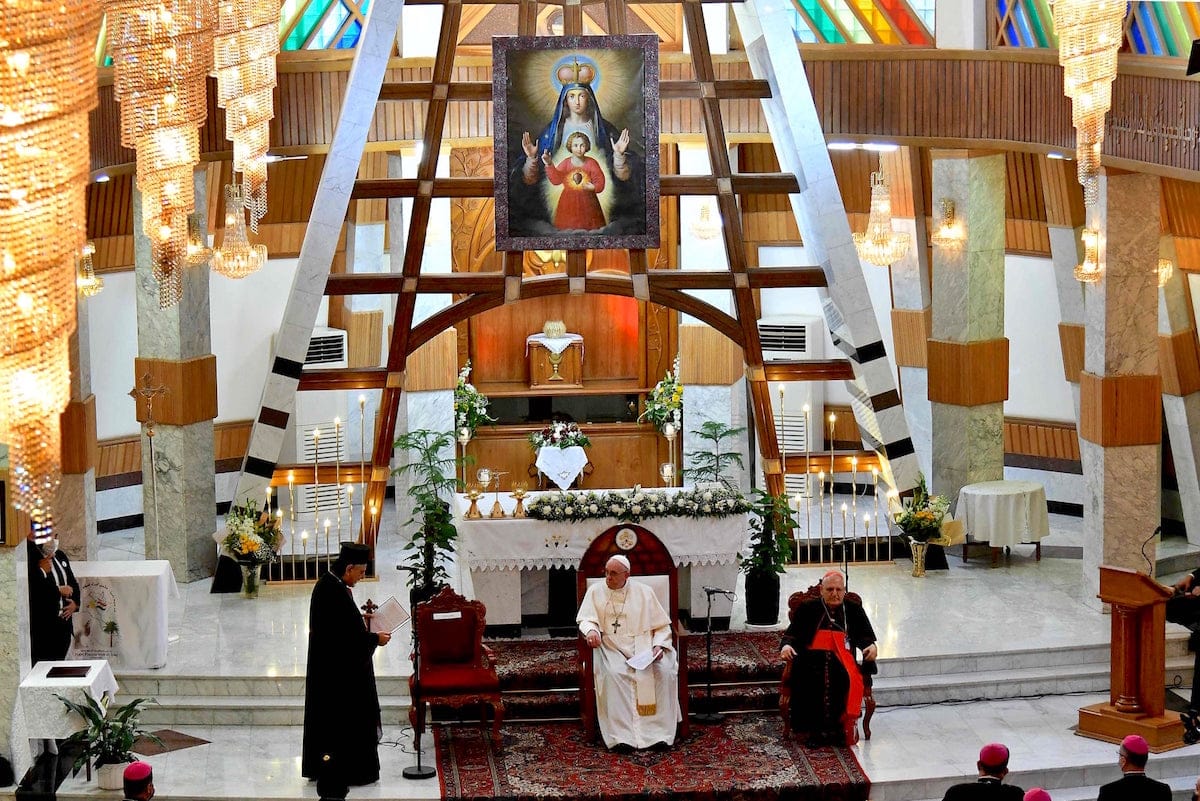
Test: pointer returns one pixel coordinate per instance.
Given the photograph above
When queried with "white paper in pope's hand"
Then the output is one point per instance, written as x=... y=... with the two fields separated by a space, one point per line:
x=641 y=661
x=389 y=616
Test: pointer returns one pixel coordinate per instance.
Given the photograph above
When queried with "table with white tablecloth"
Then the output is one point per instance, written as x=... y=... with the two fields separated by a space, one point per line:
x=1004 y=513
x=44 y=714
x=508 y=558
x=123 y=612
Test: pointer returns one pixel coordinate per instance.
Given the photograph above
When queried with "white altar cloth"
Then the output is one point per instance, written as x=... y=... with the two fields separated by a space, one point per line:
x=1003 y=513
x=562 y=465
x=555 y=344
x=46 y=717
x=131 y=595
x=527 y=544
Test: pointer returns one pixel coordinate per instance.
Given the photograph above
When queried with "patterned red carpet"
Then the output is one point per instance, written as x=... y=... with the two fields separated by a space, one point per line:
x=745 y=758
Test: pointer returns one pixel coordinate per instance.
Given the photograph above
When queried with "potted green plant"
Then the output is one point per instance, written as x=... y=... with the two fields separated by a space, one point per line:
x=107 y=737
x=432 y=482
x=710 y=465
x=772 y=522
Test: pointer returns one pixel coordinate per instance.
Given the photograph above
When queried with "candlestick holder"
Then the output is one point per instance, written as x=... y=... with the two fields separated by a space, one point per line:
x=497 y=510
x=474 y=493
x=519 y=491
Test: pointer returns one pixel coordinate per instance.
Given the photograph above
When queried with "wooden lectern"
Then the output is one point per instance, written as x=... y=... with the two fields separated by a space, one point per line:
x=1136 y=694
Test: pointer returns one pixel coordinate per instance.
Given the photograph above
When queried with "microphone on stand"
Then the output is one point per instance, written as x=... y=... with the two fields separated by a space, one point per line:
x=718 y=591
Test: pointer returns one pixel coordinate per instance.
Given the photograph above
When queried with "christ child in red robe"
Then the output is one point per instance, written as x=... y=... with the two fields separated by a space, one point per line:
x=582 y=180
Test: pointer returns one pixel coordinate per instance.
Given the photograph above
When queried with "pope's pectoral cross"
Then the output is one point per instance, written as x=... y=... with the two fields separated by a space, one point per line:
x=616 y=625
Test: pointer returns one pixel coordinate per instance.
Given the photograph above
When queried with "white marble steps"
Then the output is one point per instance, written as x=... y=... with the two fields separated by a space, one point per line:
x=239 y=701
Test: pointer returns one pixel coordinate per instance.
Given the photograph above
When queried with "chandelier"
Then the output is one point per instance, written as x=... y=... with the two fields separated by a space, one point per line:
x=162 y=53
x=880 y=244
x=1089 y=34
x=47 y=88
x=87 y=283
x=244 y=50
x=1088 y=272
x=237 y=258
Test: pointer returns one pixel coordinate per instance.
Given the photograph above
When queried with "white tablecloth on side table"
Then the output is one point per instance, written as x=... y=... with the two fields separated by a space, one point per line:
x=1003 y=513
x=562 y=465
x=46 y=717
x=132 y=595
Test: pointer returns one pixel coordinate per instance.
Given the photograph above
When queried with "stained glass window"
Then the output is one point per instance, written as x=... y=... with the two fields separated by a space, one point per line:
x=1152 y=27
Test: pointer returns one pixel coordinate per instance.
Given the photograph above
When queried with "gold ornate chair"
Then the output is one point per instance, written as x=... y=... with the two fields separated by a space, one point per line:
x=653 y=565
x=785 y=685
x=451 y=665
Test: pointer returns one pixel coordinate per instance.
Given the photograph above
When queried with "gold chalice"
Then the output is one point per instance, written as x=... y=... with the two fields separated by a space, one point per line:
x=555 y=359
x=474 y=493
x=519 y=491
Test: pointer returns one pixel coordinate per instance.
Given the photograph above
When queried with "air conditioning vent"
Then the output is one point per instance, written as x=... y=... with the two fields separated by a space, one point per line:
x=788 y=338
x=326 y=348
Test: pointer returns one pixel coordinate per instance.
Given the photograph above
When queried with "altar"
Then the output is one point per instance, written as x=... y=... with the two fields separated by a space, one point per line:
x=123 y=612
x=509 y=560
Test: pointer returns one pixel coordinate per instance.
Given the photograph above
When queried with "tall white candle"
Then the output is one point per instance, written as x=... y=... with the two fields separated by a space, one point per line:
x=807 y=453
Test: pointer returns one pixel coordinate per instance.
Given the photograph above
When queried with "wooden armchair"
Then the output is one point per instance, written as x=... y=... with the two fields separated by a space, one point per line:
x=451 y=665
x=867 y=671
x=652 y=564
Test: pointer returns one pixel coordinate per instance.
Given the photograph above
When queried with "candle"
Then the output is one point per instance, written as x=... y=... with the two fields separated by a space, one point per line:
x=854 y=482
x=350 y=503
x=292 y=495
x=362 y=449
x=867 y=533
x=304 y=546
x=316 y=480
x=844 y=528
x=807 y=454
x=782 y=433
x=337 y=470
x=328 y=553
x=832 y=432
x=374 y=524
x=875 y=488
x=267 y=508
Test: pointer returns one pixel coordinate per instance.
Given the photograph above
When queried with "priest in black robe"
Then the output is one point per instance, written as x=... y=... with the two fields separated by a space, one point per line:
x=820 y=644
x=342 y=723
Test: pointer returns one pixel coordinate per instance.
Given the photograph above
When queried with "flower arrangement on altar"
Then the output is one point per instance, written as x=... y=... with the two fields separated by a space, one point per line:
x=470 y=405
x=922 y=515
x=635 y=505
x=664 y=404
x=254 y=537
x=559 y=435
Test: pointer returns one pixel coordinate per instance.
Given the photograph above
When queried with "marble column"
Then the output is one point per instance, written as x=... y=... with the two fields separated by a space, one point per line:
x=968 y=354
x=75 y=500
x=14 y=655
x=174 y=353
x=911 y=311
x=1120 y=389
x=1179 y=364
x=821 y=217
x=1064 y=222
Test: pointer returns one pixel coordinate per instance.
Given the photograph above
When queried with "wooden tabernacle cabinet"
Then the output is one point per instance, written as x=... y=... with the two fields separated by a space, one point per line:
x=542 y=372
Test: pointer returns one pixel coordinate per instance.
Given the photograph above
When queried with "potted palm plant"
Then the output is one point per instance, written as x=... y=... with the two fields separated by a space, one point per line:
x=107 y=738
x=771 y=525
x=432 y=482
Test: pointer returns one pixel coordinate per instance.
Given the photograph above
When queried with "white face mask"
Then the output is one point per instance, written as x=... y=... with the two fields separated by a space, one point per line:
x=49 y=547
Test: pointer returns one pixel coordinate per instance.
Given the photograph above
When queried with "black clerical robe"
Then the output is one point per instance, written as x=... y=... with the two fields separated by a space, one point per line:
x=819 y=682
x=341 y=703
x=49 y=633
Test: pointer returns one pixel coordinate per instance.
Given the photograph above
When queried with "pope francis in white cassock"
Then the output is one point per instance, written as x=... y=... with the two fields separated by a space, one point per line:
x=622 y=619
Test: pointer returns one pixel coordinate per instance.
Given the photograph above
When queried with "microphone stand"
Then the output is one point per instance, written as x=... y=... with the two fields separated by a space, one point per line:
x=710 y=716
x=418 y=771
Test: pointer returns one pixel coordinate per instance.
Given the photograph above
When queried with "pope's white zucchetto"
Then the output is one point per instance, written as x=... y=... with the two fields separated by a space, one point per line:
x=622 y=561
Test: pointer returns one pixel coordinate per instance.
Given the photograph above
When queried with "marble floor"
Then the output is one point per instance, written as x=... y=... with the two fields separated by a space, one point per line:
x=916 y=752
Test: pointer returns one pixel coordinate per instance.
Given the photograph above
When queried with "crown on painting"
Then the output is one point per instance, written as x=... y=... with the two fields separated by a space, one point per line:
x=575 y=72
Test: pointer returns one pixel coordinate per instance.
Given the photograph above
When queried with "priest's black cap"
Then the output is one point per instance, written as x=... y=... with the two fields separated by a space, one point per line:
x=353 y=553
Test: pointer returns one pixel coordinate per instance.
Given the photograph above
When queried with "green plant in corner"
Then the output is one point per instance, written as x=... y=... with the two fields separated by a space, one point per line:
x=710 y=465
x=772 y=522
x=107 y=738
x=431 y=473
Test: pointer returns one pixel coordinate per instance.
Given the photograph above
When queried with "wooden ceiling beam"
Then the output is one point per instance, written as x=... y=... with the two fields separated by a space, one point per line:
x=809 y=370
x=475 y=91
x=764 y=183
x=342 y=378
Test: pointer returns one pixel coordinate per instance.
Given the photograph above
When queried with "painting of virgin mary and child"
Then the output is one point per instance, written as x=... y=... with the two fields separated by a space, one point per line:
x=576 y=142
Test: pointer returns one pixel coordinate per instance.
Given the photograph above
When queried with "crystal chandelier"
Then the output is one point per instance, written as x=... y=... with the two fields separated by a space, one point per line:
x=237 y=258
x=87 y=283
x=880 y=244
x=244 y=50
x=1089 y=271
x=162 y=53
x=1089 y=34
x=47 y=88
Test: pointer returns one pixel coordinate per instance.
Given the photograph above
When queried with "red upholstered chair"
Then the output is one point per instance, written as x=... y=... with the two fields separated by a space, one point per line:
x=785 y=686
x=451 y=665
x=651 y=562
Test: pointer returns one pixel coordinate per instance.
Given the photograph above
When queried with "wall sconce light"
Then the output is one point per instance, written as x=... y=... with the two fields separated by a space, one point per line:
x=1089 y=271
x=1166 y=268
x=87 y=282
x=705 y=227
x=949 y=231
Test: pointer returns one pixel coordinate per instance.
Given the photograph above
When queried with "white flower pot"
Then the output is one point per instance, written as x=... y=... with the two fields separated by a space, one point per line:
x=111 y=777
